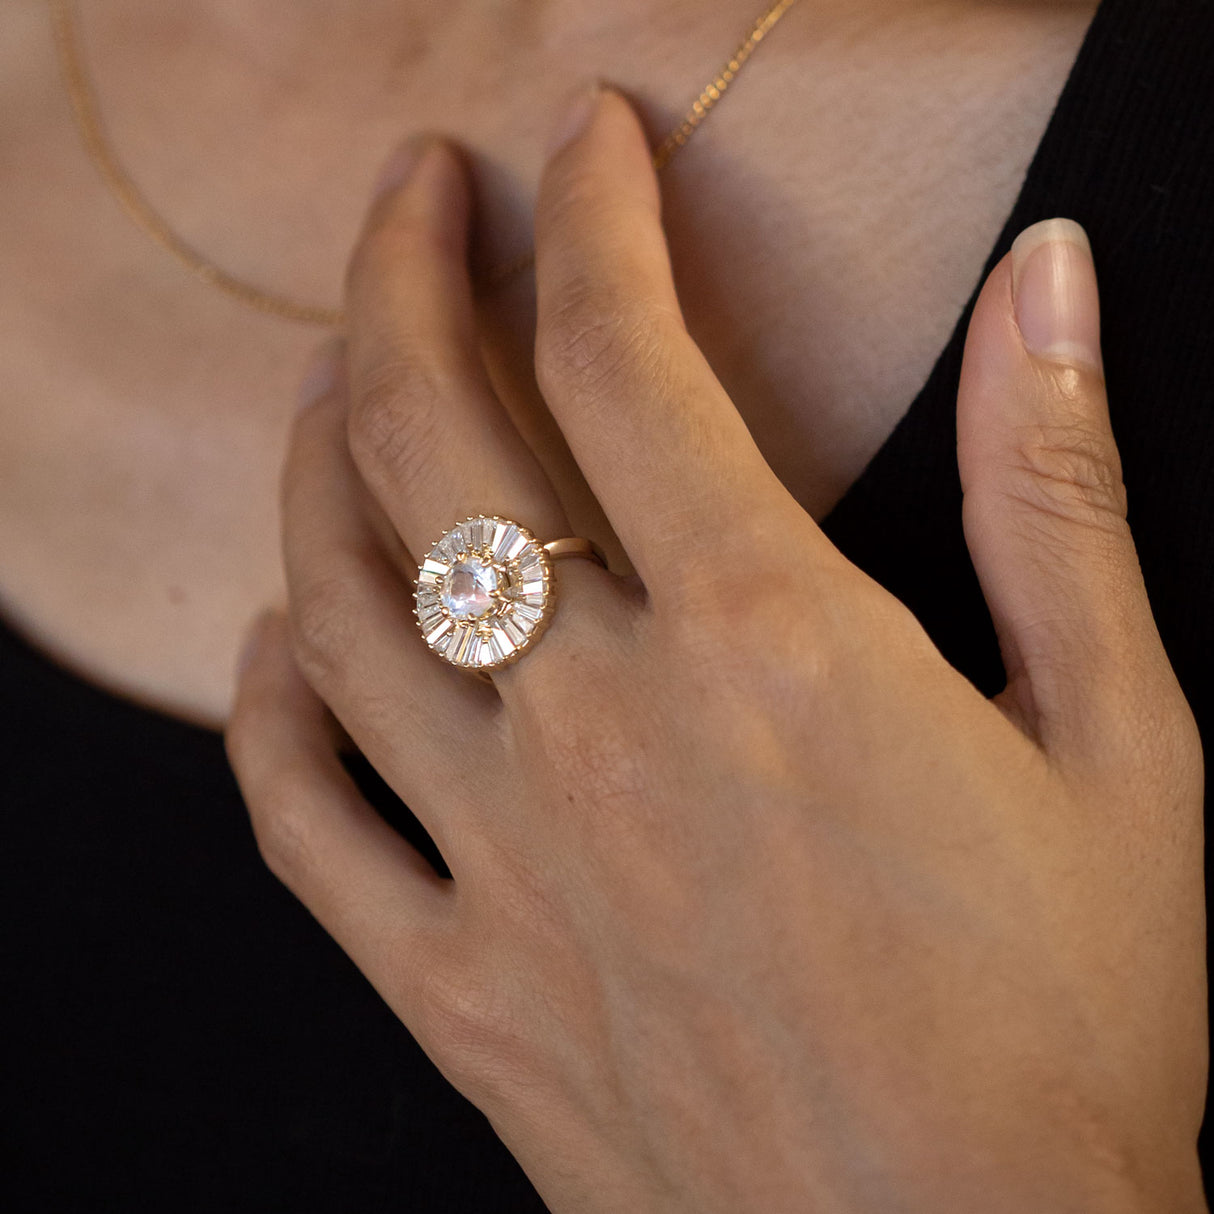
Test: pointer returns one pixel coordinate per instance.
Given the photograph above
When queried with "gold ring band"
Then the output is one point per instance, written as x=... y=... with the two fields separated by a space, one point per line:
x=486 y=591
x=575 y=545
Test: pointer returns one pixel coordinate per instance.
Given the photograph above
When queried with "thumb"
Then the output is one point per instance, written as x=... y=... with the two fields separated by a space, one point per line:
x=1044 y=508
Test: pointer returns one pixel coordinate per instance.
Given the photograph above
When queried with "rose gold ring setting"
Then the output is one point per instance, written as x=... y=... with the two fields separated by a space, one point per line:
x=485 y=591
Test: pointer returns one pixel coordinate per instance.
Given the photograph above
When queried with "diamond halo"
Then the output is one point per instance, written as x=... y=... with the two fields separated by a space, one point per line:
x=484 y=593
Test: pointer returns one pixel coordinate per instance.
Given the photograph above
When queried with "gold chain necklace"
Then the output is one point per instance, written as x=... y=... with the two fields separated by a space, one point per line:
x=87 y=116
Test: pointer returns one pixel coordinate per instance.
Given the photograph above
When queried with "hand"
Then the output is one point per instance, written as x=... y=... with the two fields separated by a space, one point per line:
x=758 y=904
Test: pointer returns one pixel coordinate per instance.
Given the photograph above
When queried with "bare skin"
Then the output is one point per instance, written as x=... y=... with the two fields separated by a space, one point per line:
x=827 y=225
x=758 y=904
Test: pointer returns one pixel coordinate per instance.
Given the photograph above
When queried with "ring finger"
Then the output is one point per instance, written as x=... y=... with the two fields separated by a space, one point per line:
x=427 y=432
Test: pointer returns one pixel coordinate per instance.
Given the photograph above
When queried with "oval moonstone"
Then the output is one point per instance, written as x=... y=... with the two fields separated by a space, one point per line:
x=468 y=588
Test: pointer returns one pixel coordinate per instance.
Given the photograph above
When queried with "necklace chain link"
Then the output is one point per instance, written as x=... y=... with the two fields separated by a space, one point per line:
x=87 y=115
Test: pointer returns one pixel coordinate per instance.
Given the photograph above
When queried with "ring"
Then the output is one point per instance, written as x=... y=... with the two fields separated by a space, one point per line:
x=485 y=591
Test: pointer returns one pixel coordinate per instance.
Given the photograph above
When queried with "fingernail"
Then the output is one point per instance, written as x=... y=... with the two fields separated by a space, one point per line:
x=252 y=641
x=576 y=112
x=322 y=374
x=1054 y=292
x=398 y=168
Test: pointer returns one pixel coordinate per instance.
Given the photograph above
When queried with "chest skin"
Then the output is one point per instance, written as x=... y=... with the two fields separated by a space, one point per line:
x=827 y=224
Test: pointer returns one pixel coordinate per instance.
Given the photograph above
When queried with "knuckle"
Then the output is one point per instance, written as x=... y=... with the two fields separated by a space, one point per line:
x=751 y=569
x=733 y=603
x=283 y=828
x=324 y=626
x=1164 y=741
x=593 y=339
x=574 y=201
x=469 y=1026
x=766 y=631
x=1071 y=470
x=453 y=1007
x=1186 y=753
x=396 y=418
x=241 y=738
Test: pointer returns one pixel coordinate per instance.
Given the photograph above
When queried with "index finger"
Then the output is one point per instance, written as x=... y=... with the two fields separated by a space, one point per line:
x=659 y=441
